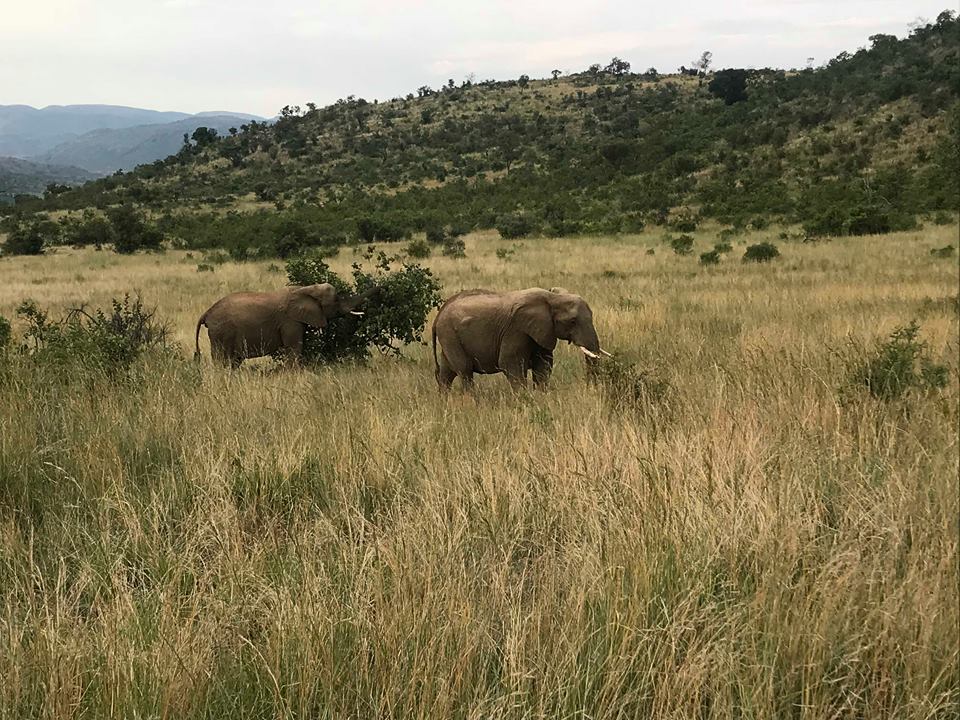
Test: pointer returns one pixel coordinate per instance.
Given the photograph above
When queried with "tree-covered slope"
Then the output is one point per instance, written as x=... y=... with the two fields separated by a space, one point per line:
x=862 y=144
x=23 y=176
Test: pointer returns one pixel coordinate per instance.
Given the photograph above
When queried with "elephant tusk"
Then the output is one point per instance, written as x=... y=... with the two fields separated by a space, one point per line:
x=588 y=353
x=604 y=352
x=356 y=312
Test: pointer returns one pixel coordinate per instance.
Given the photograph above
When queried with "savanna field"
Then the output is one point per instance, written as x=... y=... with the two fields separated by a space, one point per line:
x=742 y=530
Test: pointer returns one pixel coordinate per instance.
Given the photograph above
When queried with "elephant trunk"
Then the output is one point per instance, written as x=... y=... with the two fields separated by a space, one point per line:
x=350 y=303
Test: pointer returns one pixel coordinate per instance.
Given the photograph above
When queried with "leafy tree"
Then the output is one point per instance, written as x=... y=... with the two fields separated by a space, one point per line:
x=25 y=240
x=555 y=73
x=617 y=67
x=703 y=63
x=131 y=231
x=729 y=85
x=523 y=81
x=204 y=136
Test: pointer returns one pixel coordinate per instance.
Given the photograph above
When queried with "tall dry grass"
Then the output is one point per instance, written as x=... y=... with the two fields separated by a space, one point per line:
x=751 y=542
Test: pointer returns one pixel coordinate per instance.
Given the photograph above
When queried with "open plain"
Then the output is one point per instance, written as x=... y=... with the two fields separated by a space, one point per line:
x=741 y=531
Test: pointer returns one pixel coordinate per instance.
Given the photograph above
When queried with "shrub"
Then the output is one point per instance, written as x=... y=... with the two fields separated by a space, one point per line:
x=626 y=387
x=455 y=248
x=945 y=252
x=685 y=221
x=514 y=225
x=204 y=267
x=723 y=247
x=762 y=252
x=418 y=248
x=110 y=339
x=898 y=365
x=131 y=231
x=506 y=253
x=395 y=314
x=682 y=244
x=710 y=258
x=25 y=240
x=436 y=235
x=942 y=218
x=91 y=230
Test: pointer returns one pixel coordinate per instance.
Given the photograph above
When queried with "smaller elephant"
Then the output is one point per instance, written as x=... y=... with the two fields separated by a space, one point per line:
x=246 y=325
x=486 y=332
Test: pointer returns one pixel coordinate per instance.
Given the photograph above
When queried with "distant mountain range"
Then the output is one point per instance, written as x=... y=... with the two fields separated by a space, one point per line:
x=100 y=139
x=105 y=151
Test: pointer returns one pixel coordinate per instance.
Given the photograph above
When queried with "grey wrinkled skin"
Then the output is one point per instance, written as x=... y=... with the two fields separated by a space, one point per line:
x=485 y=332
x=246 y=325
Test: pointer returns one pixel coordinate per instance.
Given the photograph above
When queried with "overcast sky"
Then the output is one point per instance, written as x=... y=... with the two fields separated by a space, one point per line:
x=257 y=56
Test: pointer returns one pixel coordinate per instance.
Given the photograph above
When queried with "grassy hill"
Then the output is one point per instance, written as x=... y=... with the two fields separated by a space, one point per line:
x=863 y=144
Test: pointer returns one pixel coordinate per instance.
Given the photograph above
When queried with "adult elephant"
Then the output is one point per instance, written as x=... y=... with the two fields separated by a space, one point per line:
x=253 y=324
x=485 y=332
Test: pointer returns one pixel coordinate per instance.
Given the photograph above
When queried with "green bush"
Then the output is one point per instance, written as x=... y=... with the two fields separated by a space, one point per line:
x=685 y=221
x=682 y=244
x=25 y=240
x=942 y=218
x=403 y=294
x=110 y=339
x=761 y=252
x=204 y=267
x=418 y=248
x=945 y=252
x=131 y=231
x=91 y=230
x=710 y=258
x=514 y=225
x=436 y=235
x=506 y=253
x=723 y=247
x=899 y=365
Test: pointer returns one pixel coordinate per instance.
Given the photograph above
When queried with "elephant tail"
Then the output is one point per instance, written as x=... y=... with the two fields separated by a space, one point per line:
x=433 y=334
x=196 y=337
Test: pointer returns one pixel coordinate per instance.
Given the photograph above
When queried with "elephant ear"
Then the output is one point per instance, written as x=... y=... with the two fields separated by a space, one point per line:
x=535 y=319
x=307 y=305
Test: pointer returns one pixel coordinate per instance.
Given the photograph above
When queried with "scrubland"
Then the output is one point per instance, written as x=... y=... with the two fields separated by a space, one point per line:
x=749 y=536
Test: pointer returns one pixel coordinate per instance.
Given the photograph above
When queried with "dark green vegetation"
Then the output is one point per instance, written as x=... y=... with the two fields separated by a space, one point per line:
x=394 y=316
x=109 y=340
x=862 y=145
x=24 y=178
x=900 y=365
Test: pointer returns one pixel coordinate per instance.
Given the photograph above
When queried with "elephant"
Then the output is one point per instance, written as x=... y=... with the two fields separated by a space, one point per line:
x=487 y=332
x=246 y=325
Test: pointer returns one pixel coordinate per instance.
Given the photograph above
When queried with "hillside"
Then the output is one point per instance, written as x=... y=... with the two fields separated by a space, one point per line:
x=862 y=144
x=106 y=150
x=23 y=176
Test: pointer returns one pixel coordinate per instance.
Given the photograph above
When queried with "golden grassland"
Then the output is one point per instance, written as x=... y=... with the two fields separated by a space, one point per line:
x=754 y=540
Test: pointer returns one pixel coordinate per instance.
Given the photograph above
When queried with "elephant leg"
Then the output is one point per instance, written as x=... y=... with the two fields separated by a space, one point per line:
x=456 y=361
x=445 y=373
x=542 y=367
x=291 y=336
x=515 y=360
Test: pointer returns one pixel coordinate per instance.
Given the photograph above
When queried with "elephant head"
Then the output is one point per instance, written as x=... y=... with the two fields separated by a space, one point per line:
x=315 y=304
x=562 y=315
